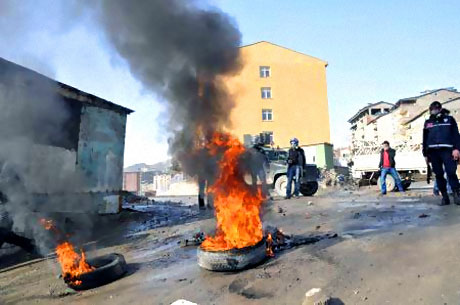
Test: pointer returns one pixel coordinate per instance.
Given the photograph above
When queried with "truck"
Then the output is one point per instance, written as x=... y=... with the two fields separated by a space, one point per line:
x=276 y=173
x=275 y=167
x=409 y=159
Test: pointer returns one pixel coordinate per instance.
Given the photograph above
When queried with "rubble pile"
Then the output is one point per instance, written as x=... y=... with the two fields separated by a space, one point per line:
x=331 y=178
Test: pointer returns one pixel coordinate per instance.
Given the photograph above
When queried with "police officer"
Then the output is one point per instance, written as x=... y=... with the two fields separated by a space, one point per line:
x=441 y=144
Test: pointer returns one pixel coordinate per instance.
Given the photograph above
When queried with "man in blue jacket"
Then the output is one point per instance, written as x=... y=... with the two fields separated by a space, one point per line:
x=441 y=144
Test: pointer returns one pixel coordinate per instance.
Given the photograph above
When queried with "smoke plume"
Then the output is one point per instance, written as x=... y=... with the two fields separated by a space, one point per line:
x=179 y=49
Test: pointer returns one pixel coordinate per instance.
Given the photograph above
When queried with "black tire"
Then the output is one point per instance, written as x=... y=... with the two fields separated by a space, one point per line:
x=109 y=268
x=406 y=184
x=309 y=188
x=232 y=260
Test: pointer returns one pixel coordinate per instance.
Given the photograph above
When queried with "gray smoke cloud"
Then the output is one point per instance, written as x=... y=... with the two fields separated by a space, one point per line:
x=179 y=49
x=37 y=159
x=38 y=175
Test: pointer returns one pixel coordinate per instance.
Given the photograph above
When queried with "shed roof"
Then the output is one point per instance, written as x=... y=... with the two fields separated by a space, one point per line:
x=8 y=67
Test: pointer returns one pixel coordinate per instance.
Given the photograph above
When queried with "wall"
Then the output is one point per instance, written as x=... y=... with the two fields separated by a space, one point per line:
x=310 y=154
x=424 y=102
x=415 y=127
x=320 y=154
x=101 y=148
x=325 y=156
x=131 y=182
x=299 y=95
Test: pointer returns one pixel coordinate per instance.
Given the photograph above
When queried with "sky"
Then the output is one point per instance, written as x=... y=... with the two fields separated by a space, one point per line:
x=376 y=50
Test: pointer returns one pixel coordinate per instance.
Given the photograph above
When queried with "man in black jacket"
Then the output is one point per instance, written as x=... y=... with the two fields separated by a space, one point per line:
x=296 y=164
x=387 y=166
x=441 y=144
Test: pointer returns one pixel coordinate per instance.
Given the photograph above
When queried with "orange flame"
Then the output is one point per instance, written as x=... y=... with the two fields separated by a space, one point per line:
x=269 y=249
x=237 y=205
x=72 y=263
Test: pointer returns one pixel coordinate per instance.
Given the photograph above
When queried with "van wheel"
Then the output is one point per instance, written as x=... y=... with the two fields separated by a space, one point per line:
x=390 y=182
x=309 y=189
x=281 y=184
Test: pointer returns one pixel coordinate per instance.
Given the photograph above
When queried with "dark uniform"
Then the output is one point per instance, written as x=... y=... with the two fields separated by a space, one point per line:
x=296 y=164
x=440 y=138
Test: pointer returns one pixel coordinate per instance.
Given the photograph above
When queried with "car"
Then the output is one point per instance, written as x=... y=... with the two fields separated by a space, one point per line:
x=276 y=172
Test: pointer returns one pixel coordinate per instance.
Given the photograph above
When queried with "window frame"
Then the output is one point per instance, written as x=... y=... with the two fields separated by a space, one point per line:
x=265 y=115
x=263 y=71
x=264 y=90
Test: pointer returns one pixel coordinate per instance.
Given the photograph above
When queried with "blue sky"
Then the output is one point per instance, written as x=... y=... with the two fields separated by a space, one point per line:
x=376 y=50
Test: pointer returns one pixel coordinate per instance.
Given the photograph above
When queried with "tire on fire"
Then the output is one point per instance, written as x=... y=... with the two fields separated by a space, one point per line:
x=233 y=259
x=109 y=268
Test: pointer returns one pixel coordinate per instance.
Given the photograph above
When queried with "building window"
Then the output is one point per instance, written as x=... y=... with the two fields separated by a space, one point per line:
x=267 y=115
x=269 y=134
x=266 y=92
x=264 y=71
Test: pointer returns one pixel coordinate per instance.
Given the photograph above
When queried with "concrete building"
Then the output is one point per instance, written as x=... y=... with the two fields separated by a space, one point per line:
x=402 y=125
x=363 y=126
x=342 y=156
x=91 y=142
x=414 y=125
x=284 y=93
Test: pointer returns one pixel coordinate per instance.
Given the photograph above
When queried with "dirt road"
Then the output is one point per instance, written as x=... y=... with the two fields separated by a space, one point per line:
x=390 y=250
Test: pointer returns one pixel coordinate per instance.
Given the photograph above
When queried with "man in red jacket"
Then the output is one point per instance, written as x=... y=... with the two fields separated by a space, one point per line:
x=388 y=166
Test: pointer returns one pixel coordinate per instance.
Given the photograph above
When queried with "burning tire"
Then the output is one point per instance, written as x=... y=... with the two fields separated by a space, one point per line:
x=108 y=269
x=232 y=260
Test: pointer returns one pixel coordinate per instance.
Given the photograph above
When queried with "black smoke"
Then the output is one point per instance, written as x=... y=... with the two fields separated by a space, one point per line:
x=181 y=50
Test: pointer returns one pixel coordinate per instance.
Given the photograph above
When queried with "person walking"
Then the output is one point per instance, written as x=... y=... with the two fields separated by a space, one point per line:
x=441 y=144
x=296 y=164
x=387 y=166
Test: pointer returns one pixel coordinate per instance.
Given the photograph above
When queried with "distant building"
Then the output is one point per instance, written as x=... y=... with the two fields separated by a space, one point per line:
x=342 y=156
x=402 y=125
x=91 y=142
x=362 y=129
x=283 y=93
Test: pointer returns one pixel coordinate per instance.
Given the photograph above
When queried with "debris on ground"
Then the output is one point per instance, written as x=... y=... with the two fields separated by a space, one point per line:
x=194 y=240
x=281 y=241
x=423 y=215
x=331 y=178
x=183 y=302
x=130 y=198
x=315 y=296
x=59 y=291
